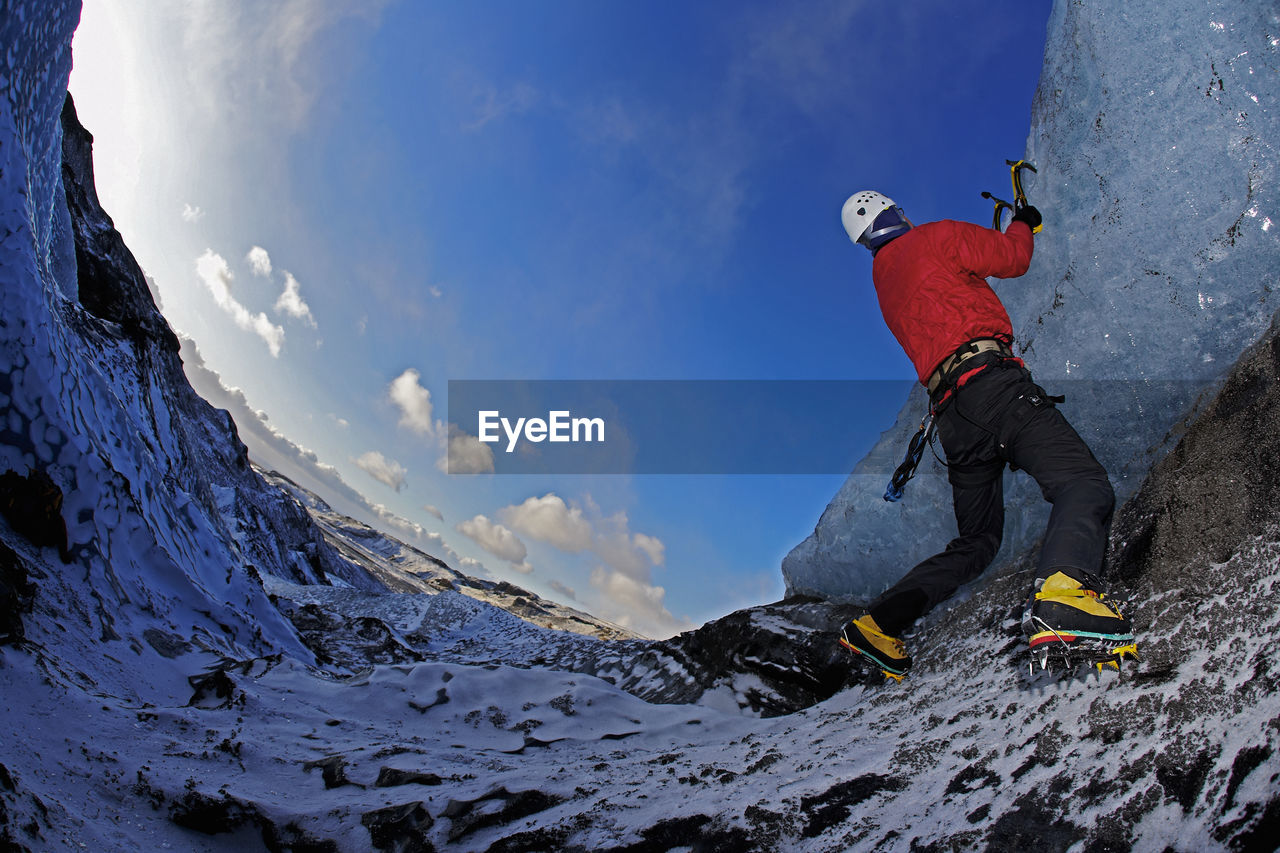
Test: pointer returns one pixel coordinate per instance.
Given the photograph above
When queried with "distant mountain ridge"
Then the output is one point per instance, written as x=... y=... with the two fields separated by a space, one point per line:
x=401 y=568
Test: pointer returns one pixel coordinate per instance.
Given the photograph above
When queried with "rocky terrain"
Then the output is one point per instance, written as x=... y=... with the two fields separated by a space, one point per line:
x=195 y=655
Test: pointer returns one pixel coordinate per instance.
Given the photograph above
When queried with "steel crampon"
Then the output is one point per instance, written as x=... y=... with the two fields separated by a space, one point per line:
x=862 y=656
x=1062 y=651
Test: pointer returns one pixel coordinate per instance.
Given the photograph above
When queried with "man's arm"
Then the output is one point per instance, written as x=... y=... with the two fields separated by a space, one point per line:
x=987 y=252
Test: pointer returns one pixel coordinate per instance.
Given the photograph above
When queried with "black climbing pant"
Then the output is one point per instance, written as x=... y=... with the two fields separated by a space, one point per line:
x=1001 y=416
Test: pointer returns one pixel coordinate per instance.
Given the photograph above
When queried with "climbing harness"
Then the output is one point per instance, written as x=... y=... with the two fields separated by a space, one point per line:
x=948 y=372
x=942 y=385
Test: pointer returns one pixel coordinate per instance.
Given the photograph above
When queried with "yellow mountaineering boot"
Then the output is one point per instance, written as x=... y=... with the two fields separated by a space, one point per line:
x=864 y=637
x=1064 y=614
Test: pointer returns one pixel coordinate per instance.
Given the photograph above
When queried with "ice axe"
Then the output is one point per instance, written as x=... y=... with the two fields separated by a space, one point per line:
x=1019 y=195
x=1001 y=207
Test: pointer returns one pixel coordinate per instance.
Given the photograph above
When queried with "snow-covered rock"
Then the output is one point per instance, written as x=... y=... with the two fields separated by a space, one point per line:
x=767 y=660
x=180 y=669
x=1155 y=132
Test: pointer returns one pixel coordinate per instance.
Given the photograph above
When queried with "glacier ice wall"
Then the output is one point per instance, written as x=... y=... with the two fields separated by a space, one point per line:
x=1154 y=129
x=167 y=525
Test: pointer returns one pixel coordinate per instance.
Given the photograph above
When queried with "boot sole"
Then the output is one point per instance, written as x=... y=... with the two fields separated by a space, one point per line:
x=889 y=670
x=1070 y=637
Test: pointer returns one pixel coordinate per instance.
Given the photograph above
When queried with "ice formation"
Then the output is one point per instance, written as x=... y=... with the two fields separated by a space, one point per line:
x=1155 y=133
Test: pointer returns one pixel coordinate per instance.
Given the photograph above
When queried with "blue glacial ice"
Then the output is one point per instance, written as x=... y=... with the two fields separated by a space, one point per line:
x=1154 y=129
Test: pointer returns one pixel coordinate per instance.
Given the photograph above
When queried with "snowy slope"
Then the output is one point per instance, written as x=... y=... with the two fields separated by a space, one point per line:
x=765 y=660
x=401 y=568
x=1155 y=131
x=187 y=680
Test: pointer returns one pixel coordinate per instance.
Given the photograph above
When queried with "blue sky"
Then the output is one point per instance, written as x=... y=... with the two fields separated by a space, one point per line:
x=550 y=190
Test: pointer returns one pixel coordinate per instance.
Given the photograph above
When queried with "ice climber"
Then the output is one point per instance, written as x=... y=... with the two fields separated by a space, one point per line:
x=931 y=284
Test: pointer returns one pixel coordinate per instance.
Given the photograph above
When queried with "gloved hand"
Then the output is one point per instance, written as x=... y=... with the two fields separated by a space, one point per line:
x=1029 y=215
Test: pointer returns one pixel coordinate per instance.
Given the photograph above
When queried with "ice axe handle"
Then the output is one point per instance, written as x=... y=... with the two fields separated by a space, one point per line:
x=1020 y=196
x=1001 y=207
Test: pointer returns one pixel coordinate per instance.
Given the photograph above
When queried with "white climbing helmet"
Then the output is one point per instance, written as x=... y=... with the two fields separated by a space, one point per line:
x=859 y=215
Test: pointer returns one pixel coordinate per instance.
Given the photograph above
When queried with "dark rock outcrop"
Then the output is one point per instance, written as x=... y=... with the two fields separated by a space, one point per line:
x=788 y=647
x=16 y=592
x=32 y=504
x=110 y=283
x=1217 y=488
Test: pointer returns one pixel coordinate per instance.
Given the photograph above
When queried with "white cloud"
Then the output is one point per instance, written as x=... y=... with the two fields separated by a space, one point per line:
x=382 y=469
x=652 y=547
x=213 y=271
x=399 y=523
x=433 y=511
x=624 y=580
x=259 y=261
x=414 y=403
x=442 y=549
x=191 y=214
x=435 y=291
x=466 y=454
x=290 y=301
x=548 y=519
x=342 y=423
x=496 y=539
x=620 y=550
x=475 y=568
x=636 y=605
x=402 y=526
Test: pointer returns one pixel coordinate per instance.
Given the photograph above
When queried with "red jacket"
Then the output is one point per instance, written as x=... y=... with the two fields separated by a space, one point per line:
x=931 y=283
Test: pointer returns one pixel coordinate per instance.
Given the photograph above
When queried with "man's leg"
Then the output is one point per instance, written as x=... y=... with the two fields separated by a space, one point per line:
x=978 y=499
x=1068 y=613
x=979 y=514
x=1071 y=479
x=977 y=491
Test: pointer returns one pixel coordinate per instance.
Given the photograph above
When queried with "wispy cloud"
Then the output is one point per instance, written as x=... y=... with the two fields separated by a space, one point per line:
x=402 y=527
x=433 y=511
x=492 y=104
x=291 y=302
x=386 y=471
x=213 y=271
x=563 y=589
x=807 y=55
x=191 y=214
x=265 y=54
